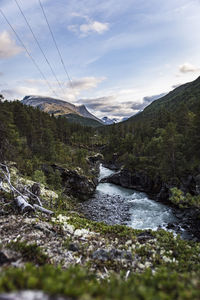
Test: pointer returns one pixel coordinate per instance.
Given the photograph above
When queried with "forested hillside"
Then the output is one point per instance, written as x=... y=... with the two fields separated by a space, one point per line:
x=144 y=264
x=164 y=139
x=31 y=137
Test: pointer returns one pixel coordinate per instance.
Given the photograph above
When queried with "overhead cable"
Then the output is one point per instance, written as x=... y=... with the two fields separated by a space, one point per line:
x=28 y=53
x=39 y=46
x=56 y=45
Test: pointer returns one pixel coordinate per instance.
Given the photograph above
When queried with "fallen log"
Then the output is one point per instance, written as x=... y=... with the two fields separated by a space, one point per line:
x=20 y=200
x=42 y=209
x=23 y=205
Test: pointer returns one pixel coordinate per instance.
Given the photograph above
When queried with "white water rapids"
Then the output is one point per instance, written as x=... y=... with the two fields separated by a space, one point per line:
x=144 y=212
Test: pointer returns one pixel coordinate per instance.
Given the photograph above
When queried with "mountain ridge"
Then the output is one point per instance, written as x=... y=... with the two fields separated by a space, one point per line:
x=59 y=107
x=185 y=94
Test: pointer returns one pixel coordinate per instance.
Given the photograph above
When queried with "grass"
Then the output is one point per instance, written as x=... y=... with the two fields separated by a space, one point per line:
x=79 y=283
x=29 y=252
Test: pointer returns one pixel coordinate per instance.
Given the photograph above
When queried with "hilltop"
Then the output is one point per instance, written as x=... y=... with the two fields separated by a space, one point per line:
x=57 y=107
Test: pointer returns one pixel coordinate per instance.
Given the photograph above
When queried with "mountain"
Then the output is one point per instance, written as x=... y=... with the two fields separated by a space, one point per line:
x=62 y=108
x=108 y=121
x=187 y=95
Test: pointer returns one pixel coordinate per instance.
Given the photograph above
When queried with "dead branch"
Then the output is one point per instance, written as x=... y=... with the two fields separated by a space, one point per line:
x=21 y=200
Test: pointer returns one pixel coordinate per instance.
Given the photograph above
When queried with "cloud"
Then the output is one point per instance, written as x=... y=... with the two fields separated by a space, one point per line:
x=8 y=46
x=34 y=86
x=94 y=27
x=187 y=68
x=90 y=27
x=86 y=83
x=1 y=74
x=176 y=85
x=109 y=105
x=18 y=92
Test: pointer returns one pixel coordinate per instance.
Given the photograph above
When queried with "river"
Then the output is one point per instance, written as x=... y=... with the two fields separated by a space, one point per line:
x=113 y=204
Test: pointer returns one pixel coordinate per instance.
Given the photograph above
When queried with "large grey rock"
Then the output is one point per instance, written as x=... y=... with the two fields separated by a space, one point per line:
x=3 y=258
x=30 y=295
x=75 y=184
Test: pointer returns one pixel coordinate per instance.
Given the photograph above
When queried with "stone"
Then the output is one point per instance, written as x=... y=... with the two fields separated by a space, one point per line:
x=69 y=228
x=81 y=232
x=144 y=236
x=29 y=295
x=101 y=255
x=3 y=259
x=75 y=183
x=36 y=189
x=73 y=247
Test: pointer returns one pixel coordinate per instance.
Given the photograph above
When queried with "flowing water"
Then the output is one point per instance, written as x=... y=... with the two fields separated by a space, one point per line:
x=117 y=205
x=144 y=212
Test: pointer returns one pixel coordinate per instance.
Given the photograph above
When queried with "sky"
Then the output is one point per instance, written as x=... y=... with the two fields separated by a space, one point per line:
x=119 y=55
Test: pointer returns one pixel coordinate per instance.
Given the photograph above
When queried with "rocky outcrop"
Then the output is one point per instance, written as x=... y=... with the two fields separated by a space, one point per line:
x=94 y=163
x=137 y=180
x=75 y=183
x=155 y=188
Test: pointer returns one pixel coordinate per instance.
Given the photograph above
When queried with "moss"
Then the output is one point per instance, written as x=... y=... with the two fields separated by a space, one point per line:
x=79 y=283
x=29 y=252
x=184 y=201
x=119 y=231
x=185 y=252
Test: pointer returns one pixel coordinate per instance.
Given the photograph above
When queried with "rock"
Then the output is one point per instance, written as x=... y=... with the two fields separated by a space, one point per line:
x=44 y=226
x=36 y=189
x=69 y=228
x=144 y=236
x=95 y=158
x=171 y=226
x=113 y=254
x=29 y=295
x=81 y=232
x=76 y=184
x=139 y=181
x=3 y=259
x=73 y=247
x=197 y=181
x=101 y=255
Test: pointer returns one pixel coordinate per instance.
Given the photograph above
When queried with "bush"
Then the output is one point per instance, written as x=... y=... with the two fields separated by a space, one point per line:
x=39 y=176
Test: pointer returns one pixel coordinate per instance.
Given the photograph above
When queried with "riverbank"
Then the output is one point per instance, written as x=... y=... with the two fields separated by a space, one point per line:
x=113 y=204
x=71 y=256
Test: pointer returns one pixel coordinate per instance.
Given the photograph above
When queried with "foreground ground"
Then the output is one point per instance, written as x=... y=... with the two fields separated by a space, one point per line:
x=71 y=256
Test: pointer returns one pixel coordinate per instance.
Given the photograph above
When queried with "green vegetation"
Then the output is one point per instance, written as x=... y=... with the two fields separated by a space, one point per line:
x=163 y=141
x=184 y=201
x=174 y=273
x=81 y=284
x=30 y=252
x=39 y=176
x=32 y=138
x=82 y=120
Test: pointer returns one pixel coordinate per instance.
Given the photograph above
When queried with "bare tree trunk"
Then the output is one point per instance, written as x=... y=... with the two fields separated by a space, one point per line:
x=22 y=201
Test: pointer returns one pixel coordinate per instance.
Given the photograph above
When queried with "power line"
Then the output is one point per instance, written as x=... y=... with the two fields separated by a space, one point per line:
x=56 y=45
x=28 y=53
x=37 y=42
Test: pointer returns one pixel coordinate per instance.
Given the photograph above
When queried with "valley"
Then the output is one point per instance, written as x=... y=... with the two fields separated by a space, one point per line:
x=103 y=200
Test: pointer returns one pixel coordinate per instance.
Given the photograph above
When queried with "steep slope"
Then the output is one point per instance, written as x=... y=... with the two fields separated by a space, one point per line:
x=159 y=147
x=187 y=94
x=62 y=108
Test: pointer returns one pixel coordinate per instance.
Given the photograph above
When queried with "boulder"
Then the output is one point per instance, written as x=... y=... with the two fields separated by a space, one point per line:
x=35 y=189
x=76 y=184
x=139 y=181
x=30 y=295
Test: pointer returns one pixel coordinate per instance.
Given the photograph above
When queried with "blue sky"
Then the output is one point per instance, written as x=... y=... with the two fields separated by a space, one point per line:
x=118 y=53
